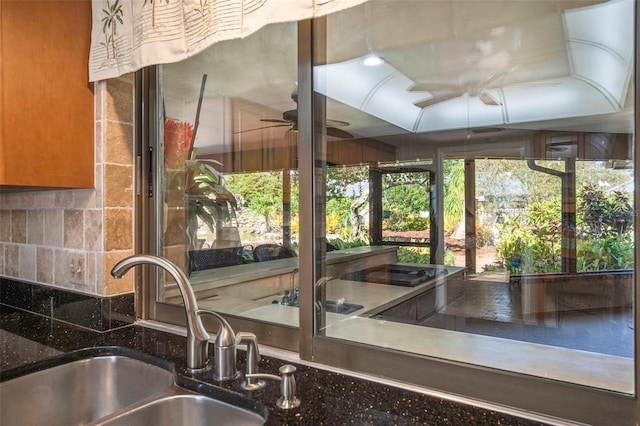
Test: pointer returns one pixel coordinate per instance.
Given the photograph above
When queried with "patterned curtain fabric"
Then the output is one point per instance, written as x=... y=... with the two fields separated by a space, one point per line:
x=127 y=35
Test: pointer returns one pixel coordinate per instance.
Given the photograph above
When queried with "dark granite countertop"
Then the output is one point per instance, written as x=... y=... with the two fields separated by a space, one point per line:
x=328 y=398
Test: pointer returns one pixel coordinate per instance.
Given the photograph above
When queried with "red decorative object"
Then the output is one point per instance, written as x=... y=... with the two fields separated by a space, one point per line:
x=178 y=137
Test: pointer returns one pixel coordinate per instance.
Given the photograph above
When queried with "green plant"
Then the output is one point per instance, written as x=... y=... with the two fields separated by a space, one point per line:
x=604 y=214
x=340 y=244
x=414 y=254
x=453 y=194
x=530 y=243
x=484 y=235
x=207 y=199
x=449 y=257
x=194 y=183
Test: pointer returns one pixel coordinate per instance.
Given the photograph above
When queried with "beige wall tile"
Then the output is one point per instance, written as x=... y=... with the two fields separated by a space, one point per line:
x=118 y=229
x=99 y=90
x=19 y=226
x=84 y=199
x=119 y=143
x=118 y=185
x=99 y=141
x=99 y=179
x=44 y=265
x=7 y=201
x=93 y=230
x=73 y=228
x=117 y=286
x=92 y=276
x=27 y=255
x=46 y=200
x=5 y=225
x=2 y=258
x=119 y=99
x=54 y=228
x=11 y=260
x=63 y=199
x=113 y=285
x=27 y=200
x=35 y=227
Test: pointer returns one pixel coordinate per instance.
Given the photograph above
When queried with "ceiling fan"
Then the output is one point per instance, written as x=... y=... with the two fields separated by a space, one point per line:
x=290 y=119
x=445 y=91
x=485 y=67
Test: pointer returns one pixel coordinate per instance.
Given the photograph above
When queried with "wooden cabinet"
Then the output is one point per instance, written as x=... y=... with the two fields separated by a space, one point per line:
x=46 y=100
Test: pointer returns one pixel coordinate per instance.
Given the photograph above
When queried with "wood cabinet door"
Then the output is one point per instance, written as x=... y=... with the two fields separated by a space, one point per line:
x=47 y=107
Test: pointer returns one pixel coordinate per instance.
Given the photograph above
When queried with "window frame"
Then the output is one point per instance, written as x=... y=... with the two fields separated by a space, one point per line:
x=507 y=390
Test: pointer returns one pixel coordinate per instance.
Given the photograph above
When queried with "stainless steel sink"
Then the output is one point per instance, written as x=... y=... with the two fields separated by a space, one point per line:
x=185 y=409
x=94 y=387
x=336 y=307
x=79 y=392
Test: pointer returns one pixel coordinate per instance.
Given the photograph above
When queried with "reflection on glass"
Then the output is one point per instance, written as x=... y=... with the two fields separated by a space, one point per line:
x=486 y=196
x=230 y=182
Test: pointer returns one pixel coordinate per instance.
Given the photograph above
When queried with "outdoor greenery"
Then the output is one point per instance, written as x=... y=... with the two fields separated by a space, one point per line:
x=453 y=194
x=530 y=243
x=262 y=194
x=605 y=237
x=523 y=205
x=405 y=195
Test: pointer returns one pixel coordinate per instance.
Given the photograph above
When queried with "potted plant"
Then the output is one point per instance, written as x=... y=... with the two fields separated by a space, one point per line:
x=194 y=184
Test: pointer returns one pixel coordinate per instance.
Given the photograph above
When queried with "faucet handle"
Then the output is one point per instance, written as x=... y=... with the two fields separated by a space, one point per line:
x=224 y=348
x=287 y=380
x=225 y=336
x=253 y=357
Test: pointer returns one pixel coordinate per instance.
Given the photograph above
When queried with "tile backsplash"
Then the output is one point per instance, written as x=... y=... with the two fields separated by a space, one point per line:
x=71 y=238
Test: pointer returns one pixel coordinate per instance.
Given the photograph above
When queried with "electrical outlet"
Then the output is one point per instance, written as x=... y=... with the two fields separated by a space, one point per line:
x=76 y=270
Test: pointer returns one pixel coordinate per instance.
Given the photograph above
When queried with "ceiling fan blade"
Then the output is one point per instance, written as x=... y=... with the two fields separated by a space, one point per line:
x=274 y=120
x=260 y=128
x=337 y=123
x=488 y=99
x=438 y=99
x=433 y=87
x=338 y=133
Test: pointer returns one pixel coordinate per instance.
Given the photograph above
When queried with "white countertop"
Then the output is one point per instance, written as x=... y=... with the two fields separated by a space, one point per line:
x=569 y=365
x=372 y=296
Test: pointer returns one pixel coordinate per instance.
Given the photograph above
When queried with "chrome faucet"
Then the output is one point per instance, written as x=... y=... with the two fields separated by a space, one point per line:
x=197 y=336
x=320 y=291
x=292 y=296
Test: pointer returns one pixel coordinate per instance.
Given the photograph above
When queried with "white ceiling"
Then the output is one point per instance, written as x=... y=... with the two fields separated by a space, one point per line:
x=564 y=64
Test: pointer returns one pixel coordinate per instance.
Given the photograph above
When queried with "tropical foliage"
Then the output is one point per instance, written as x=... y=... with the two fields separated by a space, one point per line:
x=526 y=242
x=206 y=199
x=605 y=232
x=530 y=243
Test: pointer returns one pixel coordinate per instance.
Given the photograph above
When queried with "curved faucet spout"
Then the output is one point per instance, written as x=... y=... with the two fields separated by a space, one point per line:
x=197 y=336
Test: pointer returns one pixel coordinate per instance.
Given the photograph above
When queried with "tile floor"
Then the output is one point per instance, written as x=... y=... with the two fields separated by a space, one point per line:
x=487 y=305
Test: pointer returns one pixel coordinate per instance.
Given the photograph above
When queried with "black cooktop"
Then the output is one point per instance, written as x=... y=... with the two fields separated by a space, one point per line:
x=397 y=274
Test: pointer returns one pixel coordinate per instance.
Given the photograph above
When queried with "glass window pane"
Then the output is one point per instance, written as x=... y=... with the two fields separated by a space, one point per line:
x=481 y=184
x=229 y=190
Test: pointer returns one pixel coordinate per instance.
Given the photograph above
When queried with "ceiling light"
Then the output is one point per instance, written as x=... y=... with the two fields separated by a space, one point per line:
x=372 y=61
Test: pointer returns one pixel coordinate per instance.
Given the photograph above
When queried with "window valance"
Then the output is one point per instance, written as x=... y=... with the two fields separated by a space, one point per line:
x=127 y=35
